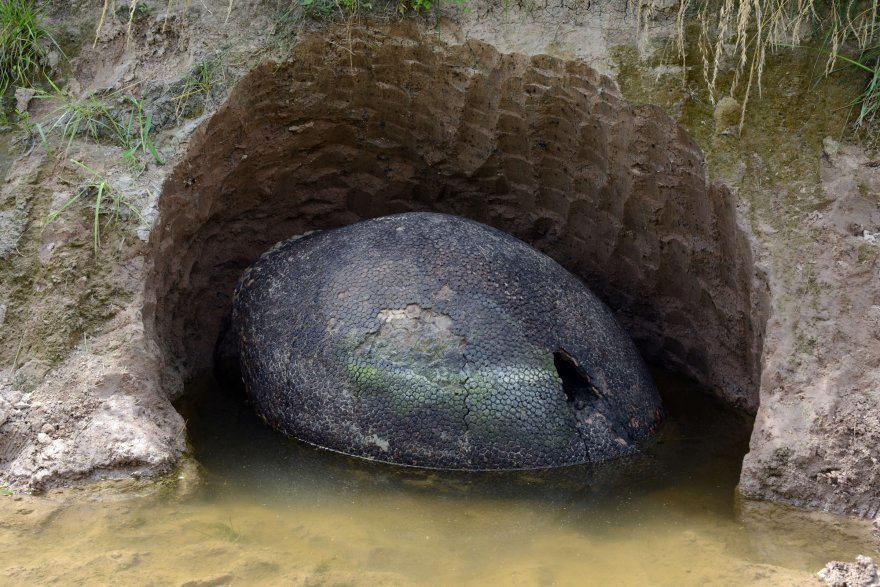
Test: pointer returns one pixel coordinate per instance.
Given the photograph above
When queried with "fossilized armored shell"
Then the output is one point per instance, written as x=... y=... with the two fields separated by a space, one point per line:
x=431 y=340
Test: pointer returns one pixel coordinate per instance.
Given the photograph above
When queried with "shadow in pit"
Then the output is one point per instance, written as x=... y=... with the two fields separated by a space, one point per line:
x=698 y=450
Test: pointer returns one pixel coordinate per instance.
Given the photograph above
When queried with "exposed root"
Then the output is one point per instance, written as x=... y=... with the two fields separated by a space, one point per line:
x=130 y=21
x=107 y=4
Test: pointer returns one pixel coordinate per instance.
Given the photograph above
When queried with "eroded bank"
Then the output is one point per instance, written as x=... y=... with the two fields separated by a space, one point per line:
x=393 y=120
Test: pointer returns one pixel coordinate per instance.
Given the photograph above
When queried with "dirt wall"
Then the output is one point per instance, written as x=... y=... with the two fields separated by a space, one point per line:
x=393 y=120
x=541 y=148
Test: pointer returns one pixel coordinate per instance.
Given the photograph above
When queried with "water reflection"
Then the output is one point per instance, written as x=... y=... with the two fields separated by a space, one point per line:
x=274 y=511
x=700 y=446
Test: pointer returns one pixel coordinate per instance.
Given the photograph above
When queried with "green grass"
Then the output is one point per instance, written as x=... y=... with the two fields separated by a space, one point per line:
x=196 y=87
x=24 y=38
x=105 y=200
x=91 y=117
x=134 y=136
x=868 y=101
x=73 y=116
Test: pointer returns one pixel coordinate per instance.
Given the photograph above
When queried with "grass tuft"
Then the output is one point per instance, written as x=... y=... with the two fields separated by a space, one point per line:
x=197 y=86
x=73 y=116
x=104 y=199
x=24 y=43
x=868 y=101
x=135 y=134
x=91 y=117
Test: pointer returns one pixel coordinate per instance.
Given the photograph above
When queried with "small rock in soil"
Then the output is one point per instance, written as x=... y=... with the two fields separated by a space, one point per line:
x=862 y=573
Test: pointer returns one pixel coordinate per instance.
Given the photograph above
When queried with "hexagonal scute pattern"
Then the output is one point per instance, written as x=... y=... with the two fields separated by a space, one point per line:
x=431 y=340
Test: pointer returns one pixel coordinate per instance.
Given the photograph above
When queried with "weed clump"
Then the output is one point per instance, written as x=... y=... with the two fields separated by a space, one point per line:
x=196 y=88
x=91 y=117
x=24 y=43
x=103 y=198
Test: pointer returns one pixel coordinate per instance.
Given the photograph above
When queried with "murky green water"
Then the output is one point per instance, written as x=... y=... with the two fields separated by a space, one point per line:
x=275 y=512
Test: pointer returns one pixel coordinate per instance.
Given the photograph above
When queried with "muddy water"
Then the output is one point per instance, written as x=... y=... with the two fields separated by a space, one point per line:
x=272 y=511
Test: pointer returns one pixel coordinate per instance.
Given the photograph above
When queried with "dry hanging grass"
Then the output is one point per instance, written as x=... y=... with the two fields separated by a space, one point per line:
x=111 y=6
x=747 y=29
x=107 y=4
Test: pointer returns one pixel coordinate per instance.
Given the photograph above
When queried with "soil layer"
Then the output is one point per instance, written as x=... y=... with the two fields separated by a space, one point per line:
x=766 y=292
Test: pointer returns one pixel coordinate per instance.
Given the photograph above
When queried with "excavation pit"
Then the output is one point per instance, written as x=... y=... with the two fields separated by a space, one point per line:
x=543 y=149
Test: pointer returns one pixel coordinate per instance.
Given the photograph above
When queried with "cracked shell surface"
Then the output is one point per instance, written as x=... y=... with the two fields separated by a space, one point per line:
x=430 y=340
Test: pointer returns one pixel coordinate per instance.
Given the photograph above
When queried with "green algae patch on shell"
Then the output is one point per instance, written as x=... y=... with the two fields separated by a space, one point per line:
x=430 y=340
